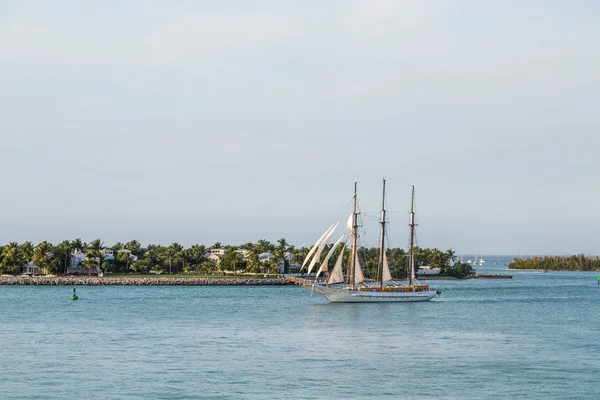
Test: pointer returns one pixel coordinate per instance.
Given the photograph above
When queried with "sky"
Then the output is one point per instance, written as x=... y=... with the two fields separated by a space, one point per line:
x=234 y=121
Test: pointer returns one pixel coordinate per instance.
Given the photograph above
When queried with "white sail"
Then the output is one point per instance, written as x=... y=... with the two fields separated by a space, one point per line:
x=312 y=250
x=350 y=224
x=337 y=274
x=358 y=275
x=387 y=275
x=328 y=256
x=320 y=249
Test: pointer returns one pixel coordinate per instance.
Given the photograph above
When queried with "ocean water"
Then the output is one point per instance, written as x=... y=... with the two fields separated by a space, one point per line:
x=536 y=336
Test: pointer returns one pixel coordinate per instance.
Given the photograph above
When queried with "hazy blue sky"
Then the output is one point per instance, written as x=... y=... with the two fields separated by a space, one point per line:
x=232 y=121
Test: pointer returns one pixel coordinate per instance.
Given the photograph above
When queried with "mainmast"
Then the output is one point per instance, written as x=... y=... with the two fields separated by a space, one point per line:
x=353 y=250
x=411 y=260
x=382 y=239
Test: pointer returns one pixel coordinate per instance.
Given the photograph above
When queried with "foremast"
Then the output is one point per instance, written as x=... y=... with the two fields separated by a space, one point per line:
x=351 y=265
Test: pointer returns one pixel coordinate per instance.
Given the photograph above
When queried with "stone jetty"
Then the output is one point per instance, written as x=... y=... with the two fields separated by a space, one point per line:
x=125 y=281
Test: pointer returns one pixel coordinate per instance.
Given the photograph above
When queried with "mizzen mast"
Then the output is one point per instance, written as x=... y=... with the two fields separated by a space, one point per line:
x=382 y=239
x=411 y=259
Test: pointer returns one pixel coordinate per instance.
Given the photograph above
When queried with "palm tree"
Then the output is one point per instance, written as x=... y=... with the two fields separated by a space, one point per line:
x=62 y=252
x=169 y=254
x=135 y=247
x=451 y=256
x=90 y=263
x=253 y=262
x=78 y=245
x=197 y=253
x=230 y=259
x=12 y=259
x=154 y=254
x=124 y=256
x=264 y=246
x=280 y=252
x=95 y=248
x=42 y=256
x=179 y=256
x=26 y=250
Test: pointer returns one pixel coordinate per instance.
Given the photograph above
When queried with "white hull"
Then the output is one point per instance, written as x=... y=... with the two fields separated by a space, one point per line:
x=340 y=295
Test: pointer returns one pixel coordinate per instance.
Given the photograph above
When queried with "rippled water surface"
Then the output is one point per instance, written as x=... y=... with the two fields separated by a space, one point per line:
x=535 y=336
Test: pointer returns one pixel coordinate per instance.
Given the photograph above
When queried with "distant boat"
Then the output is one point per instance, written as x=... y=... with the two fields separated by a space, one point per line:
x=481 y=260
x=353 y=288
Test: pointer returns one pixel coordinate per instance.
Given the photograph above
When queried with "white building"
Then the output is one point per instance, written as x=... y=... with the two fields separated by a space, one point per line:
x=108 y=254
x=214 y=258
x=31 y=269
x=265 y=257
x=244 y=253
x=427 y=270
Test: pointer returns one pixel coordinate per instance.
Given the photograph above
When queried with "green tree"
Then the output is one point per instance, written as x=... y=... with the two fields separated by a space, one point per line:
x=139 y=266
x=79 y=245
x=230 y=260
x=280 y=254
x=95 y=252
x=12 y=259
x=460 y=270
x=254 y=264
x=179 y=256
x=26 y=250
x=264 y=246
x=135 y=247
x=62 y=255
x=90 y=263
x=170 y=254
x=42 y=257
x=123 y=258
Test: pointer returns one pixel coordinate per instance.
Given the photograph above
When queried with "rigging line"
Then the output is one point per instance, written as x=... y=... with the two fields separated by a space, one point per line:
x=345 y=212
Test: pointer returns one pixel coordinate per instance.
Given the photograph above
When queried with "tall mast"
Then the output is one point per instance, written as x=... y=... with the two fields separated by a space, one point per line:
x=382 y=239
x=411 y=260
x=351 y=271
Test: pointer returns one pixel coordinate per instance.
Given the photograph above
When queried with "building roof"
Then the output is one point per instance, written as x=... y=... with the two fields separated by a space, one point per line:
x=79 y=256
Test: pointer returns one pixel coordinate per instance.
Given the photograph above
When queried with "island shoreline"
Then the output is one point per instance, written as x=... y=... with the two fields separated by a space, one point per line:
x=154 y=281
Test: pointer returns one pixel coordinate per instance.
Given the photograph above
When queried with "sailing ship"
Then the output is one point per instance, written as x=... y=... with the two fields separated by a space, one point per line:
x=352 y=288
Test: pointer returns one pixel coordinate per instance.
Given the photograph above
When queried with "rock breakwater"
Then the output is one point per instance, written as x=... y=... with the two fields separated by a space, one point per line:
x=95 y=281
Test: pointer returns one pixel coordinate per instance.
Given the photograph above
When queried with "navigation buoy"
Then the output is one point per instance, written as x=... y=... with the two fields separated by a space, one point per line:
x=74 y=297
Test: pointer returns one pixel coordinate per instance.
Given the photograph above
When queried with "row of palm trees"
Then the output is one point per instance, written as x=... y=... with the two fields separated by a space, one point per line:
x=174 y=259
x=46 y=256
x=576 y=262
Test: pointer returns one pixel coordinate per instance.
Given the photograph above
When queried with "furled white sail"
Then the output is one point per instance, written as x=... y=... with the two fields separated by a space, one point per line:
x=359 y=277
x=320 y=249
x=387 y=275
x=350 y=224
x=337 y=274
x=328 y=256
x=315 y=246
